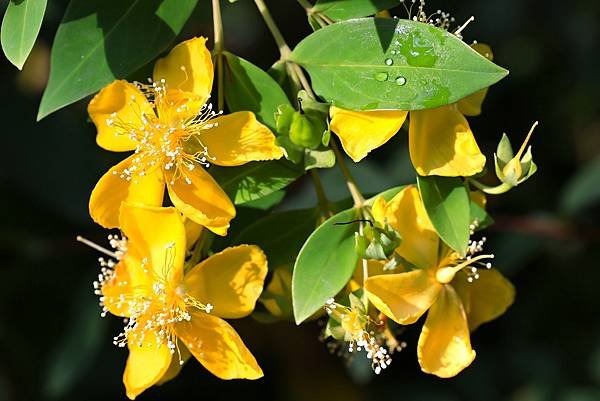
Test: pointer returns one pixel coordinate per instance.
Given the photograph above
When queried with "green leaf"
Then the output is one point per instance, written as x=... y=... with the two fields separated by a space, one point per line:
x=375 y=63
x=99 y=41
x=266 y=202
x=582 y=191
x=324 y=265
x=318 y=158
x=20 y=28
x=247 y=87
x=256 y=179
x=478 y=213
x=447 y=204
x=339 y=10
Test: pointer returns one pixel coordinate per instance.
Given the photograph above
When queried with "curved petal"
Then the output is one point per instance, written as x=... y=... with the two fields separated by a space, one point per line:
x=159 y=234
x=362 y=131
x=116 y=107
x=193 y=232
x=487 y=298
x=146 y=364
x=178 y=359
x=403 y=297
x=277 y=297
x=407 y=215
x=444 y=347
x=217 y=346
x=441 y=143
x=188 y=67
x=238 y=138
x=230 y=280
x=202 y=201
x=471 y=105
x=113 y=188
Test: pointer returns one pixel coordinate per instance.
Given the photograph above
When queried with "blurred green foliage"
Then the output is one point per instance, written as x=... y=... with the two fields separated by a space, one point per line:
x=54 y=345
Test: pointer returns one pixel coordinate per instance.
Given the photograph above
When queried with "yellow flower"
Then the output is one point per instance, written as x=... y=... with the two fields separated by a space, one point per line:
x=460 y=293
x=171 y=314
x=171 y=128
x=440 y=140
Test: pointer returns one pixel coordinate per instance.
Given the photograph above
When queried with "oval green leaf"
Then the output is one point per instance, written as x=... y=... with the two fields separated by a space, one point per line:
x=324 y=265
x=20 y=27
x=99 y=41
x=376 y=63
x=340 y=10
x=256 y=179
x=448 y=206
x=247 y=87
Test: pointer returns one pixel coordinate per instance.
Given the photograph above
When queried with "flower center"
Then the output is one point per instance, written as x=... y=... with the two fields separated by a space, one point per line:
x=165 y=134
x=471 y=263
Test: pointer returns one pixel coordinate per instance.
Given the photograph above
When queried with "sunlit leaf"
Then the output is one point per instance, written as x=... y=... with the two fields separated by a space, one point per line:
x=375 y=63
x=99 y=41
x=324 y=265
x=20 y=27
x=339 y=10
x=247 y=87
x=447 y=204
x=256 y=179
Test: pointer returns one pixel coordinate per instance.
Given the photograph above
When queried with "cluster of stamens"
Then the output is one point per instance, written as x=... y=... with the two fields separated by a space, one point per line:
x=155 y=310
x=164 y=138
x=439 y=18
x=374 y=342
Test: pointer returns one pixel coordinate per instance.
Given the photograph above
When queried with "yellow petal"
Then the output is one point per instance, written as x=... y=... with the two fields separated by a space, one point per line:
x=362 y=131
x=231 y=280
x=471 y=105
x=146 y=365
x=188 y=67
x=123 y=104
x=407 y=215
x=441 y=143
x=112 y=189
x=159 y=234
x=444 y=347
x=202 y=201
x=479 y=198
x=486 y=298
x=277 y=297
x=193 y=231
x=403 y=297
x=217 y=346
x=181 y=355
x=238 y=138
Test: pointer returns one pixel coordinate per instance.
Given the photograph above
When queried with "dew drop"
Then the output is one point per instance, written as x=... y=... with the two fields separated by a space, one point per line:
x=381 y=76
x=401 y=81
x=389 y=61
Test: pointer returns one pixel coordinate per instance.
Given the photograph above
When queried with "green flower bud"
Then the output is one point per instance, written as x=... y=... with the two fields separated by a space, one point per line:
x=307 y=130
x=512 y=169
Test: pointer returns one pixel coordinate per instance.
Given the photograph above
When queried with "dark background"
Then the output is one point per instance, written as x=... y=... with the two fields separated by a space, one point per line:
x=54 y=345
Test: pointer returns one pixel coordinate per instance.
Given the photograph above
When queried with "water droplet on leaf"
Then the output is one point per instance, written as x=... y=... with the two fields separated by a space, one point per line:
x=389 y=61
x=401 y=81
x=381 y=76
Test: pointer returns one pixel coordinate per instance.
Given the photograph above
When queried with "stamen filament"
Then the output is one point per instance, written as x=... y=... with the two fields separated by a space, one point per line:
x=97 y=247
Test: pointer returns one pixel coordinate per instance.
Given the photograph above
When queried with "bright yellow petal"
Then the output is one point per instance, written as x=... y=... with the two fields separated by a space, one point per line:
x=479 y=198
x=362 y=131
x=471 y=105
x=230 y=280
x=444 y=347
x=486 y=298
x=181 y=355
x=120 y=103
x=202 y=201
x=407 y=215
x=112 y=189
x=159 y=234
x=441 y=143
x=403 y=297
x=146 y=365
x=218 y=347
x=238 y=138
x=188 y=67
